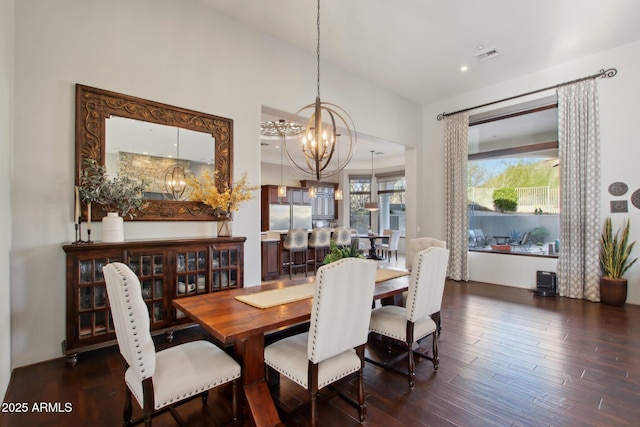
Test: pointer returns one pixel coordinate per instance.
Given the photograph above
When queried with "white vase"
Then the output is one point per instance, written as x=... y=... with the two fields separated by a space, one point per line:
x=112 y=228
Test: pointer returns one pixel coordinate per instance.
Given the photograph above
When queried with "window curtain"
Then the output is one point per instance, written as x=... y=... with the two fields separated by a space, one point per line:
x=579 y=148
x=456 y=210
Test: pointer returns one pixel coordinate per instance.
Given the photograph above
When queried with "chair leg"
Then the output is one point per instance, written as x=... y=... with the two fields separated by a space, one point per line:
x=234 y=399
x=362 y=408
x=412 y=373
x=313 y=392
x=128 y=409
x=436 y=359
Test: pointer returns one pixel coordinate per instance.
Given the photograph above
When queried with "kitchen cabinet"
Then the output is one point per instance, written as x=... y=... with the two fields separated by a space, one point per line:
x=167 y=269
x=324 y=206
x=270 y=252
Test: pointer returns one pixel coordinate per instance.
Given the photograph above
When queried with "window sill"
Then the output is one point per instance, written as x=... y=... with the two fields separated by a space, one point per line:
x=536 y=251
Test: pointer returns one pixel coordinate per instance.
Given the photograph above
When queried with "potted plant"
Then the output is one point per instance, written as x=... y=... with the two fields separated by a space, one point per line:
x=615 y=260
x=118 y=196
x=336 y=252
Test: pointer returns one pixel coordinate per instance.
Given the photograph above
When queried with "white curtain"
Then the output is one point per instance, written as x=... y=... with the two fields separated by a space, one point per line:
x=579 y=147
x=456 y=213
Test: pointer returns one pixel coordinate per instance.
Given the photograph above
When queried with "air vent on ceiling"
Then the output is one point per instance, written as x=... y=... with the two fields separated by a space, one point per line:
x=486 y=54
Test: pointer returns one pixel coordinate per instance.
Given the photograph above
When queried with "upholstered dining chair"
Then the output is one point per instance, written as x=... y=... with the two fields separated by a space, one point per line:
x=160 y=380
x=392 y=246
x=419 y=244
x=319 y=242
x=296 y=242
x=413 y=247
x=330 y=351
x=412 y=323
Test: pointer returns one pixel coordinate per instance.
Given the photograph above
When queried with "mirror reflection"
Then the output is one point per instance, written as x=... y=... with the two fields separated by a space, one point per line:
x=160 y=155
x=97 y=109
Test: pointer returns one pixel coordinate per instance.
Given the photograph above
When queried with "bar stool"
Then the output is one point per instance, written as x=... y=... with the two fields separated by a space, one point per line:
x=342 y=236
x=319 y=242
x=296 y=242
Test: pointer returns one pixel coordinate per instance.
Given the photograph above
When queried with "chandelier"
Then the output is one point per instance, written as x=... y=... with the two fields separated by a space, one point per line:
x=175 y=177
x=319 y=141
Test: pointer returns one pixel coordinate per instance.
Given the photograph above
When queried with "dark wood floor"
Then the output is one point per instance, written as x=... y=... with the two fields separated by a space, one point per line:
x=507 y=357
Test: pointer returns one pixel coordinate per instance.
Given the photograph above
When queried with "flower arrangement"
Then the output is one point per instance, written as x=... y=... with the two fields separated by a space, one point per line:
x=120 y=194
x=203 y=189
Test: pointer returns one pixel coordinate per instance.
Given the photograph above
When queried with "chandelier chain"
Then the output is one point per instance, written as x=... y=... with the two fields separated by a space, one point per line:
x=318 y=50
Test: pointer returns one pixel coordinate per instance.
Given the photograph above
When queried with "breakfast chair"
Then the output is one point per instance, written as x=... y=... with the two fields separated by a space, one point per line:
x=412 y=323
x=319 y=242
x=388 y=248
x=296 y=242
x=160 y=380
x=330 y=351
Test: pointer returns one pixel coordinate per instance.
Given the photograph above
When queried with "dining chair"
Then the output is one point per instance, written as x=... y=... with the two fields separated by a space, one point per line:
x=384 y=240
x=334 y=346
x=392 y=246
x=412 y=323
x=319 y=242
x=160 y=380
x=296 y=242
x=419 y=244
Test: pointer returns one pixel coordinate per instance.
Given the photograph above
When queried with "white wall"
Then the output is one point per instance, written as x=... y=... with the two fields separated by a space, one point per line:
x=176 y=52
x=6 y=135
x=620 y=151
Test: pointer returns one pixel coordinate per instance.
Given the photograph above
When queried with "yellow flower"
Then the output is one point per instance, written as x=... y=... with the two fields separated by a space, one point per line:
x=203 y=189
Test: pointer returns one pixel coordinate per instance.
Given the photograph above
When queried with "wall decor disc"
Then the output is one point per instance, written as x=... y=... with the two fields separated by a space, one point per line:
x=618 y=189
x=635 y=199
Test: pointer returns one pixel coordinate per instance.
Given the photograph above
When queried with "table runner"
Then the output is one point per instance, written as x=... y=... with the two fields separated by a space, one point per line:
x=289 y=294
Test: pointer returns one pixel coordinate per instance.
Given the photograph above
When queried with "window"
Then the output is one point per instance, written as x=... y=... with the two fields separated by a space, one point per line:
x=359 y=194
x=391 y=192
x=513 y=182
x=391 y=202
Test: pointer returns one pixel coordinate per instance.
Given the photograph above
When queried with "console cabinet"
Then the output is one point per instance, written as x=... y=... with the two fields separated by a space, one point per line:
x=168 y=269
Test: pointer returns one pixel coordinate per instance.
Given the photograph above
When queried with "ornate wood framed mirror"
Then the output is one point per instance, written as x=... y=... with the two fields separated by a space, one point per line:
x=140 y=136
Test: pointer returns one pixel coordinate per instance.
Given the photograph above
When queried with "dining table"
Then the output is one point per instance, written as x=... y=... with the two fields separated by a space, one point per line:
x=372 y=249
x=243 y=327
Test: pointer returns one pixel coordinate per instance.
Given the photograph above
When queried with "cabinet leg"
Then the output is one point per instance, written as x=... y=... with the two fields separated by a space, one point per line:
x=169 y=335
x=72 y=359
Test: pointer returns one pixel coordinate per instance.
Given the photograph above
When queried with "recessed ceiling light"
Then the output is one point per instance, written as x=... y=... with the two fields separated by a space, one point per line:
x=480 y=47
x=464 y=68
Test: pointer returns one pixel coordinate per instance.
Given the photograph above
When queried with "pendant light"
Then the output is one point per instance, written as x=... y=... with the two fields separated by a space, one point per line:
x=337 y=195
x=175 y=177
x=319 y=142
x=371 y=206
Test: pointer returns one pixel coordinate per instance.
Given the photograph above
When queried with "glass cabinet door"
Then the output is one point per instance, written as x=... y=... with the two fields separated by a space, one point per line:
x=225 y=267
x=191 y=274
x=94 y=318
x=149 y=267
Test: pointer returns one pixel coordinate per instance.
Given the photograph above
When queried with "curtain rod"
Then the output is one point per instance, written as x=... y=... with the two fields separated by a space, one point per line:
x=602 y=73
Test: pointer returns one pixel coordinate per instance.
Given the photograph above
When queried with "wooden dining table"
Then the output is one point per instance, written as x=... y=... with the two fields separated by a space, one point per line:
x=235 y=323
x=372 y=248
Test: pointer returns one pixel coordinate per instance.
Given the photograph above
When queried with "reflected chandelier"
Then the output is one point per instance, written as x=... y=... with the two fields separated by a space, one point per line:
x=175 y=177
x=319 y=142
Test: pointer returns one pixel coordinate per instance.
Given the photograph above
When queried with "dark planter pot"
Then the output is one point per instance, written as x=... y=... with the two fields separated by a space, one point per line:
x=613 y=291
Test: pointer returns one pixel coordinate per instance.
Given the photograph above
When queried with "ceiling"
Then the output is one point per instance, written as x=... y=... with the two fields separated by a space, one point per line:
x=416 y=48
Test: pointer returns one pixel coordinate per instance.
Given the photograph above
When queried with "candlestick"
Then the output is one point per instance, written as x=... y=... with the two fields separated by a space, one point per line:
x=89 y=236
x=77 y=212
x=89 y=217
